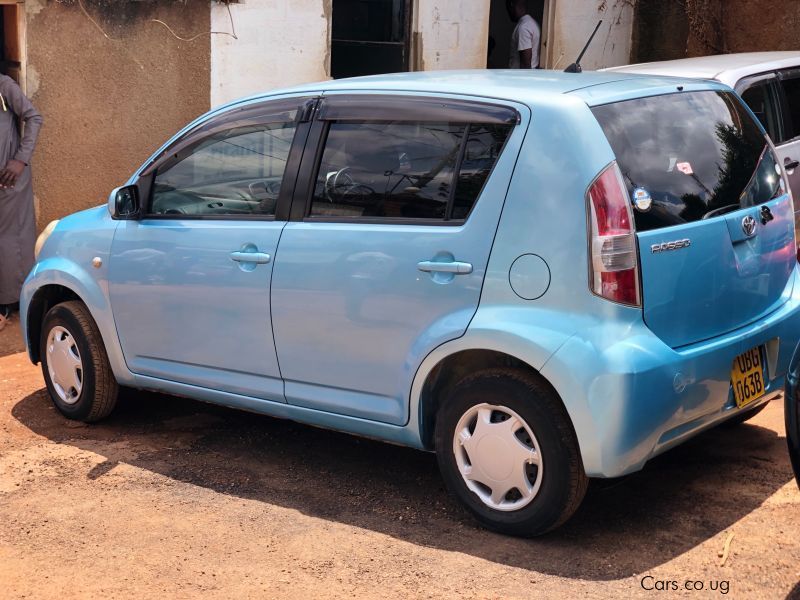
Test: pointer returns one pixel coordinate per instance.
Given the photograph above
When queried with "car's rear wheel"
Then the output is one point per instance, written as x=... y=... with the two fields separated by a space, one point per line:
x=75 y=364
x=508 y=452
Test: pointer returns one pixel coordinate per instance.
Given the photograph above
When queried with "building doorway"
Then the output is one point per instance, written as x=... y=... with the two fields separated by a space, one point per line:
x=12 y=41
x=501 y=28
x=370 y=37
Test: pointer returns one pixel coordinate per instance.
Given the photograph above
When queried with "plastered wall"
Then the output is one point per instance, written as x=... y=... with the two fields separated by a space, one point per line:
x=110 y=92
x=113 y=84
x=450 y=34
x=571 y=23
x=279 y=44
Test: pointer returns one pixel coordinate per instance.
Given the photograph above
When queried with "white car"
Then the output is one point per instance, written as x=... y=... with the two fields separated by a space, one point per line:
x=769 y=82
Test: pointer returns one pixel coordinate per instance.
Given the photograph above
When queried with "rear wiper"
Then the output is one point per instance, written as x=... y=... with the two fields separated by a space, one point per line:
x=720 y=211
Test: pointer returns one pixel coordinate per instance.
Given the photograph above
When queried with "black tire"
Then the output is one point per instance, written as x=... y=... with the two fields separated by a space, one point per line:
x=743 y=416
x=98 y=394
x=563 y=482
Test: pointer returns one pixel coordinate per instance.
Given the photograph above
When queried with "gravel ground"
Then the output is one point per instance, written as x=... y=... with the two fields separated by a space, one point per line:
x=174 y=498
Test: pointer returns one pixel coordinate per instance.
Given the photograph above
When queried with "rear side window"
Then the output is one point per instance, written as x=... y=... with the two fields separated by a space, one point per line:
x=690 y=156
x=405 y=170
x=791 y=91
x=762 y=100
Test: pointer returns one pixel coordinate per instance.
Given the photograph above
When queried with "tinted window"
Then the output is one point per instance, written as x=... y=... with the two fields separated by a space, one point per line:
x=696 y=155
x=483 y=148
x=234 y=172
x=761 y=100
x=791 y=90
x=405 y=170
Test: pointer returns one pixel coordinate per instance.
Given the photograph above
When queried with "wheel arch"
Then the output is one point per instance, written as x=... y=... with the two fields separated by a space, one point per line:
x=58 y=280
x=43 y=299
x=449 y=363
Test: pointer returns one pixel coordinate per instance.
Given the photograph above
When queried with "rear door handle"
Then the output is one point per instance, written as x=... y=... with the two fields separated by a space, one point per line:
x=455 y=267
x=790 y=164
x=258 y=258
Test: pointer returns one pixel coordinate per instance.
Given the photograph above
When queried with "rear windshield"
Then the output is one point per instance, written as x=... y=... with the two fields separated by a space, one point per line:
x=690 y=156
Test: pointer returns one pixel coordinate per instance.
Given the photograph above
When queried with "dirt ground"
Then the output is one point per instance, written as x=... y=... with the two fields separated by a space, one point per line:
x=174 y=498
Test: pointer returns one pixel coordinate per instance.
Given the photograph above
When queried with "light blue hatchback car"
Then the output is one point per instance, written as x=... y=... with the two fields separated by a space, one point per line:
x=544 y=277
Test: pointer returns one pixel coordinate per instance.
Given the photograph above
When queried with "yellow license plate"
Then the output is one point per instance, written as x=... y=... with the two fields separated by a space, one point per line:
x=747 y=377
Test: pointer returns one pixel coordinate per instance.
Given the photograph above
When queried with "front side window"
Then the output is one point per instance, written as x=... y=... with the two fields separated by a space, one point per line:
x=692 y=156
x=234 y=172
x=405 y=170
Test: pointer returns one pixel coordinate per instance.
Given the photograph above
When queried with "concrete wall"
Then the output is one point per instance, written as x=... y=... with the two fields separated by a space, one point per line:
x=773 y=25
x=665 y=31
x=108 y=103
x=660 y=31
x=279 y=44
x=753 y=26
x=450 y=34
x=572 y=23
x=113 y=90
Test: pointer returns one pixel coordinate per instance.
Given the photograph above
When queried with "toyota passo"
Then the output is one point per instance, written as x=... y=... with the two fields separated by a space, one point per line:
x=543 y=277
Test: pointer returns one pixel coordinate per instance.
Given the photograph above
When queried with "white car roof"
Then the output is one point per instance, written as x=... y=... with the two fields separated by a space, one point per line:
x=727 y=68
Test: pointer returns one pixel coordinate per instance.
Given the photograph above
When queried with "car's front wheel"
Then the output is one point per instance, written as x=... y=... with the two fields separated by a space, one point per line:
x=507 y=450
x=75 y=364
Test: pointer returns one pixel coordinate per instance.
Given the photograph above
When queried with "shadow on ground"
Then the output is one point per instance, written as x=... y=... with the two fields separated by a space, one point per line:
x=625 y=527
x=795 y=593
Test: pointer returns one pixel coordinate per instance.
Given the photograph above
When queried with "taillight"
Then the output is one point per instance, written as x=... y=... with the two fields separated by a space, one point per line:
x=615 y=271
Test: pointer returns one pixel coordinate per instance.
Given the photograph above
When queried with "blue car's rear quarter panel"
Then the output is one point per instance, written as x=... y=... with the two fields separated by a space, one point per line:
x=628 y=393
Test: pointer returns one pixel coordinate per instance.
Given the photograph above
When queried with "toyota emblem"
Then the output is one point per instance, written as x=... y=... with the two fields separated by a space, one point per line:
x=749 y=225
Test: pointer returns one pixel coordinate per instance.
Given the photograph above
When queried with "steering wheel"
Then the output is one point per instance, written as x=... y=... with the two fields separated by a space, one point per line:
x=341 y=179
x=357 y=189
x=483 y=147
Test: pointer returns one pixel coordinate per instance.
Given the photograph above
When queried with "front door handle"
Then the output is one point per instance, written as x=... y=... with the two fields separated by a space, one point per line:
x=790 y=164
x=257 y=258
x=455 y=267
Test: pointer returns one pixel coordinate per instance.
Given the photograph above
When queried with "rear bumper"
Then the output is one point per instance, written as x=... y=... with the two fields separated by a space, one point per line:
x=631 y=397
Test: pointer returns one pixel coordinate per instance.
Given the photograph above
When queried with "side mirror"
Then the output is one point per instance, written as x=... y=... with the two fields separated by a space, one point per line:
x=123 y=203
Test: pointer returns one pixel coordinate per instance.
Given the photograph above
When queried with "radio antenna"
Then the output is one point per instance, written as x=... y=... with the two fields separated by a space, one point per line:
x=576 y=66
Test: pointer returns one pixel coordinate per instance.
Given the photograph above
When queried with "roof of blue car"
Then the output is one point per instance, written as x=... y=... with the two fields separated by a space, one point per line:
x=503 y=81
x=519 y=85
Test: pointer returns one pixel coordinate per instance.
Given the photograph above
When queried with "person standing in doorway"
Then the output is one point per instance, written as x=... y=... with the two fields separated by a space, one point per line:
x=525 y=39
x=19 y=127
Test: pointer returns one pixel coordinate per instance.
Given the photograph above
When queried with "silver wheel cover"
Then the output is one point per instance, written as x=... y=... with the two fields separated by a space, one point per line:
x=498 y=456
x=64 y=365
